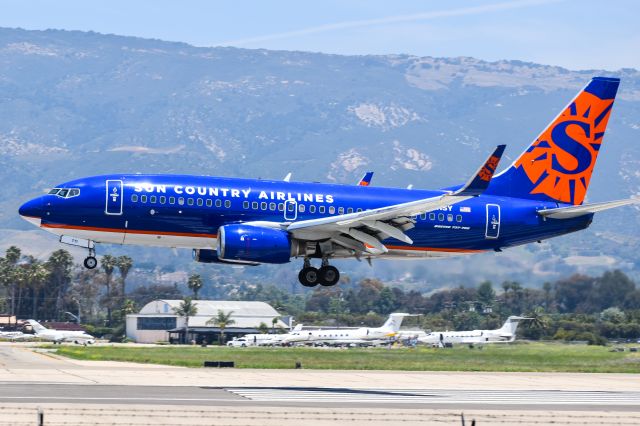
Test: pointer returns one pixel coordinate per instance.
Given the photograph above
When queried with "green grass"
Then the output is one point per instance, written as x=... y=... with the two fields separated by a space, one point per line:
x=549 y=357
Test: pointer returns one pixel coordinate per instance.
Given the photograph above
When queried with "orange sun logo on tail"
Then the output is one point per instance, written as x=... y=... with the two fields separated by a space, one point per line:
x=560 y=162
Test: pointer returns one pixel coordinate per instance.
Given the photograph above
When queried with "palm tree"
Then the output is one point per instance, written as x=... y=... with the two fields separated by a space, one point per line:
x=37 y=276
x=11 y=259
x=32 y=275
x=187 y=308
x=13 y=255
x=274 y=321
x=108 y=264
x=195 y=284
x=538 y=319
x=60 y=264
x=222 y=320
x=124 y=264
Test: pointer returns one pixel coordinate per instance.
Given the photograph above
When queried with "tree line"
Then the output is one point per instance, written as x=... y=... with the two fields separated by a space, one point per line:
x=578 y=307
x=56 y=289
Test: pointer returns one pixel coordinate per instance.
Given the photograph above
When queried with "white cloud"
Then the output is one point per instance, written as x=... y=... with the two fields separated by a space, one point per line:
x=475 y=10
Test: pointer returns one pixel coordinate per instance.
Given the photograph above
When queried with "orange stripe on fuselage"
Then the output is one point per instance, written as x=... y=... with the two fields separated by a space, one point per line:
x=441 y=249
x=130 y=231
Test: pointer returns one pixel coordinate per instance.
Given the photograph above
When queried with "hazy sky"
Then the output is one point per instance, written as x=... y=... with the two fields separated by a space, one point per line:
x=577 y=34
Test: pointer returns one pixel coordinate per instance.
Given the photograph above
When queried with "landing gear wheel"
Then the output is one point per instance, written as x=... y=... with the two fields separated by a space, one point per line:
x=90 y=262
x=309 y=277
x=329 y=275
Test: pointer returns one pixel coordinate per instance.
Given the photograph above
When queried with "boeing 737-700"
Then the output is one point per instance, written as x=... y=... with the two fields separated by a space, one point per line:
x=251 y=222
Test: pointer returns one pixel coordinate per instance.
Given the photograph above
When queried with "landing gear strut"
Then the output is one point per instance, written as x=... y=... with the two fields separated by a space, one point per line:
x=90 y=262
x=326 y=276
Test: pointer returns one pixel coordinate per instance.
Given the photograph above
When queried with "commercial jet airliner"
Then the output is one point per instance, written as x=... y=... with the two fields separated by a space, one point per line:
x=251 y=222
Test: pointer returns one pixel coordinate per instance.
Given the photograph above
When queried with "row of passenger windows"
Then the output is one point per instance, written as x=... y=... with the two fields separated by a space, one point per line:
x=181 y=201
x=255 y=205
x=432 y=216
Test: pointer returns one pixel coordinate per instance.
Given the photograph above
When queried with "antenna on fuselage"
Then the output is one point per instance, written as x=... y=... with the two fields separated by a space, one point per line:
x=287 y=178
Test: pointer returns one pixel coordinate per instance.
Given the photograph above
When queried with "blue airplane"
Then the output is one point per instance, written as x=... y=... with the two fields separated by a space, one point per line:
x=251 y=222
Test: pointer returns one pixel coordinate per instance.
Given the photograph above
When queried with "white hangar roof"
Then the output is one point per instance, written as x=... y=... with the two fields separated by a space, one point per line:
x=245 y=314
x=210 y=308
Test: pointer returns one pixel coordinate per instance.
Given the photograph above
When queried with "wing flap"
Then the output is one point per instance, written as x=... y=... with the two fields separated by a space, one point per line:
x=581 y=210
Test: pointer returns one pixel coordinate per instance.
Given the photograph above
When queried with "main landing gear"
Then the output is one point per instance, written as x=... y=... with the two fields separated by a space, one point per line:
x=90 y=262
x=326 y=276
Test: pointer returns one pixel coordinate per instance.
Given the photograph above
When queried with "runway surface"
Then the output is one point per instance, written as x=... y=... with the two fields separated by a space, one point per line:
x=69 y=388
x=316 y=396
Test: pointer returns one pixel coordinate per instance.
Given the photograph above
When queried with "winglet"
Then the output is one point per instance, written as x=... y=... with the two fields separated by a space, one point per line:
x=480 y=180
x=366 y=179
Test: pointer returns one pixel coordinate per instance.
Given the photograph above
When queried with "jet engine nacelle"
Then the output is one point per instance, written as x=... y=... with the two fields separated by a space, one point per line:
x=253 y=244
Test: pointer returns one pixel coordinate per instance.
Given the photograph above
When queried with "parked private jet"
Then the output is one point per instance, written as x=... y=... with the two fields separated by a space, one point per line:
x=263 y=339
x=507 y=333
x=15 y=335
x=59 y=336
x=363 y=336
x=251 y=222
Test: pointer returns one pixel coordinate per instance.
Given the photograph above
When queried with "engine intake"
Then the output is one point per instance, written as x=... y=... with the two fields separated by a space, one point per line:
x=253 y=244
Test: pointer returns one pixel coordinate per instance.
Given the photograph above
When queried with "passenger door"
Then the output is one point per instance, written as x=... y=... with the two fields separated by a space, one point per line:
x=114 y=197
x=492 y=230
x=290 y=210
x=114 y=202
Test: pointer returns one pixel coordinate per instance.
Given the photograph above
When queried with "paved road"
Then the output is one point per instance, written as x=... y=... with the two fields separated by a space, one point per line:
x=21 y=357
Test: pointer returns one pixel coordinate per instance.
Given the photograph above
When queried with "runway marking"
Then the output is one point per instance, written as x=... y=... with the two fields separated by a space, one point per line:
x=440 y=396
x=108 y=398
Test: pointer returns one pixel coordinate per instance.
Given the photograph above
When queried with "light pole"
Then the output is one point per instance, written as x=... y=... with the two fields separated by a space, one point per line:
x=73 y=316
x=76 y=317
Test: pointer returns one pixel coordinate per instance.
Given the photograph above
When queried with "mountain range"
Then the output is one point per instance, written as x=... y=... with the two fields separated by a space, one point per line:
x=82 y=103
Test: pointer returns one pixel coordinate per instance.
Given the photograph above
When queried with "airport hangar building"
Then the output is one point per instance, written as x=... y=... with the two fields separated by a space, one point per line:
x=157 y=321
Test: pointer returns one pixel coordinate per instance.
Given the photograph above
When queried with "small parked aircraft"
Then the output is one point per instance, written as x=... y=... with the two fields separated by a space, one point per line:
x=363 y=336
x=507 y=333
x=59 y=336
x=15 y=335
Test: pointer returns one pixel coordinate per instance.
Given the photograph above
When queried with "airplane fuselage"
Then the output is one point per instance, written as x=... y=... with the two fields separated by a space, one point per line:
x=186 y=211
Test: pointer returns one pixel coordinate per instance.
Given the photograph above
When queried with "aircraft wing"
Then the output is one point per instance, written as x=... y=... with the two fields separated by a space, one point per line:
x=576 y=211
x=364 y=230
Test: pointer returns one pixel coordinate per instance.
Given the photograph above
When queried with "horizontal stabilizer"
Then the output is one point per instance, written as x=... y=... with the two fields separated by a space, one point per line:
x=576 y=211
x=480 y=180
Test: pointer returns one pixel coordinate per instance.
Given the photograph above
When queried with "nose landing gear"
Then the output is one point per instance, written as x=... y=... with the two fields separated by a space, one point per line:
x=326 y=276
x=90 y=262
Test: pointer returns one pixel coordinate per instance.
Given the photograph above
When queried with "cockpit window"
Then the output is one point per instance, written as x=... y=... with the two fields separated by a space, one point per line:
x=65 y=192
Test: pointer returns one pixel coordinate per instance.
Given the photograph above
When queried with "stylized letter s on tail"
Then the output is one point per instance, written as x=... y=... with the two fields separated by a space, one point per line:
x=558 y=164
